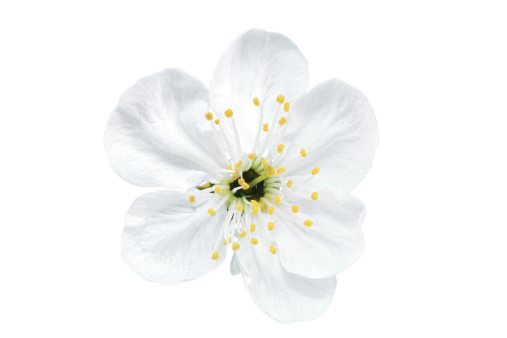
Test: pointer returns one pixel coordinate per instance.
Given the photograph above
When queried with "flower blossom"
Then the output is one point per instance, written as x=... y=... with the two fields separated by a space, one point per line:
x=255 y=165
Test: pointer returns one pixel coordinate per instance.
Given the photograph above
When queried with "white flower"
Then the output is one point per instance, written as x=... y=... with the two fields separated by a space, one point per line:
x=278 y=166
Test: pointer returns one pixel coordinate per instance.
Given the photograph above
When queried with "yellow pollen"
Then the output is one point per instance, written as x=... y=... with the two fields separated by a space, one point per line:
x=280 y=148
x=228 y=113
x=277 y=200
x=255 y=203
x=286 y=106
x=234 y=177
x=280 y=170
x=255 y=211
x=238 y=164
x=263 y=205
x=280 y=99
x=254 y=241
x=225 y=242
x=251 y=156
x=252 y=227
x=218 y=189
x=217 y=122
x=308 y=223
x=256 y=101
x=242 y=234
x=265 y=127
x=236 y=171
x=271 y=226
x=215 y=255
x=315 y=195
x=271 y=210
x=191 y=198
x=211 y=212
x=282 y=121
x=241 y=181
x=246 y=186
x=239 y=207
x=264 y=162
x=235 y=246
x=315 y=171
x=272 y=249
x=209 y=116
x=295 y=209
x=289 y=183
x=270 y=171
x=303 y=153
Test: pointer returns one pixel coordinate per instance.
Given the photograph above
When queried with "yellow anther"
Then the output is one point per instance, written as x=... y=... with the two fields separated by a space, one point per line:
x=271 y=226
x=255 y=203
x=236 y=171
x=280 y=148
x=289 y=183
x=277 y=200
x=314 y=195
x=263 y=205
x=229 y=167
x=228 y=113
x=242 y=234
x=234 y=177
x=209 y=116
x=270 y=171
x=265 y=127
x=255 y=211
x=217 y=122
x=252 y=227
x=280 y=99
x=295 y=209
x=280 y=170
x=315 y=171
x=272 y=249
x=225 y=242
x=211 y=212
x=239 y=207
x=256 y=101
x=191 y=198
x=215 y=255
x=229 y=239
x=254 y=241
x=308 y=223
x=235 y=246
x=218 y=189
x=264 y=162
x=286 y=106
x=246 y=186
x=238 y=164
x=251 y=156
x=271 y=210
x=303 y=153
x=241 y=181
x=282 y=121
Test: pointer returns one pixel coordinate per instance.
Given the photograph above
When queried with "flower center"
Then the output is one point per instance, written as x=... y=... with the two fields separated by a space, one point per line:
x=252 y=188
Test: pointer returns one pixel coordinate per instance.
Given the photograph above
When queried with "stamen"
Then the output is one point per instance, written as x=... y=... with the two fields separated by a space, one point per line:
x=295 y=209
x=303 y=153
x=280 y=99
x=242 y=234
x=252 y=227
x=272 y=249
x=254 y=241
x=271 y=226
x=277 y=200
x=239 y=207
x=271 y=210
x=282 y=121
x=286 y=106
x=229 y=114
x=289 y=183
x=251 y=156
x=218 y=189
x=209 y=116
x=217 y=122
x=314 y=195
x=308 y=223
x=256 y=101
x=191 y=198
x=235 y=246
x=280 y=148
x=265 y=127
x=315 y=171
x=280 y=171
x=211 y=212
x=215 y=255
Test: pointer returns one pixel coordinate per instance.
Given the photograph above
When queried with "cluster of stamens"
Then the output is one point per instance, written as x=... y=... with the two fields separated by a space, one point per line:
x=252 y=187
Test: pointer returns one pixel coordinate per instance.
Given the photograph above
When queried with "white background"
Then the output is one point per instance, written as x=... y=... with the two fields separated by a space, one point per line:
x=436 y=257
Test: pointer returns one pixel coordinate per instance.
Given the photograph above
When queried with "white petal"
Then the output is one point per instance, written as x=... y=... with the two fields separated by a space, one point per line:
x=169 y=240
x=335 y=123
x=281 y=295
x=158 y=135
x=257 y=64
x=331 y=244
